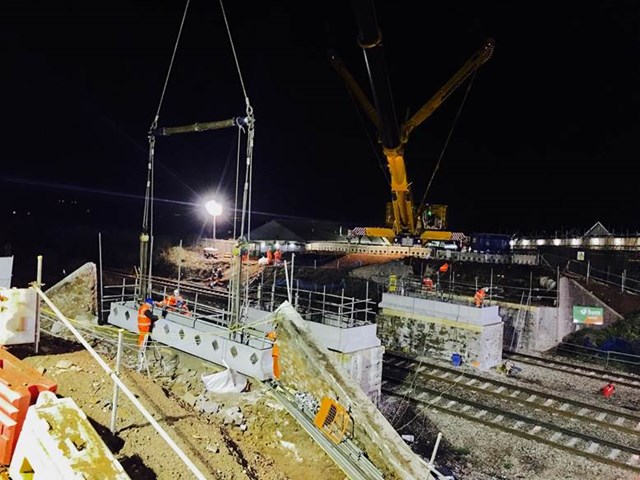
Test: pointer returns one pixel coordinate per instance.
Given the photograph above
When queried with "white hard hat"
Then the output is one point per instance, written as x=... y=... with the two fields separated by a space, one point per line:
x=176 y=292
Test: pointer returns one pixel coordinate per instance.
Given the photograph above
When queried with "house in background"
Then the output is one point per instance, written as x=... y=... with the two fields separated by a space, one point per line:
x=292 y=235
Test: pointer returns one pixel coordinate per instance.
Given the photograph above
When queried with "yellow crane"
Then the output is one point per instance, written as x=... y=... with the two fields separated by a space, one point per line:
x=403 y=219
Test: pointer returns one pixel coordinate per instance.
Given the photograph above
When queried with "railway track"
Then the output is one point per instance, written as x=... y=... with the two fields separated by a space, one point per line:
x=619 y=378
x=598 y=433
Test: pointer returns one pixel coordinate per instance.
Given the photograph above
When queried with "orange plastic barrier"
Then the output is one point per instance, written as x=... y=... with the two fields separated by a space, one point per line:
x=20 y=385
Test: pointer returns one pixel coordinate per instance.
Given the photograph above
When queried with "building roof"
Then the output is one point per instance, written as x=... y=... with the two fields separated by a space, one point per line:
x=598 y=230
x=293 y=230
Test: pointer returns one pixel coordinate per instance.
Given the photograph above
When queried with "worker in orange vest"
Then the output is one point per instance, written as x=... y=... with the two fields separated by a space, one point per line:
x=427 y=284
x=181 y=303
x=145 y=320
x=478 y=298
x=275 y=354
x=171 y=301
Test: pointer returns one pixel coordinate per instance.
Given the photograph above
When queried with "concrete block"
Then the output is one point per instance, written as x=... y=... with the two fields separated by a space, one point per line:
x=58 y=443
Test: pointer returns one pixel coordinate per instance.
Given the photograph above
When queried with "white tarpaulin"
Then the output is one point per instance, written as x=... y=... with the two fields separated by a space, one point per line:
x=6 y=270
x=227 y=381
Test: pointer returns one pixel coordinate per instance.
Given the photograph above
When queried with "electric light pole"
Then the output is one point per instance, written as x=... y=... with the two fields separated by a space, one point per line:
x=214 y=209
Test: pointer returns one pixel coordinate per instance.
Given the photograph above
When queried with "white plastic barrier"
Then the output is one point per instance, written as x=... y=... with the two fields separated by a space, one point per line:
x=18 y=308
x=6 y=271
x=57 y=442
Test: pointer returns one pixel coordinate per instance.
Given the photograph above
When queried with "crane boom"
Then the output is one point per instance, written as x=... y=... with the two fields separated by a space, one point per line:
x=353 y=87
x=473 y=64
x=403 y=217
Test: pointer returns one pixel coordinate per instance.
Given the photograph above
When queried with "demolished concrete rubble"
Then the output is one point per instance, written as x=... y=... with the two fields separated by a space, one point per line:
x=306 y=366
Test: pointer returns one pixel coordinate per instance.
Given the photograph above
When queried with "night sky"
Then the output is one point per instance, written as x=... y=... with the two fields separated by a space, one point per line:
x=546 y=140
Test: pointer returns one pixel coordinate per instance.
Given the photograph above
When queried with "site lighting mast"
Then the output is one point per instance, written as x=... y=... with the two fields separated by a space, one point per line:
x=214 y=209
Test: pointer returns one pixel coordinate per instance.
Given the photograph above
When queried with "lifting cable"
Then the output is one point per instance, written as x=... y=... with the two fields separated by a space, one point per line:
x=154 y=125
x=373 y=143
x=235 y=304
x=246 y=197
x=446 y=143
x=147 y=218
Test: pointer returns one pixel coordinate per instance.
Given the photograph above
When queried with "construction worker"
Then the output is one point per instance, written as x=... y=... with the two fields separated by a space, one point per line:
x=393 y=283
x=427 y=285
x=170 y=302
x=478 y=298
x=145 y=320
x=181 y=303
x=216 y=278
x=508 y=368
x=275 y=354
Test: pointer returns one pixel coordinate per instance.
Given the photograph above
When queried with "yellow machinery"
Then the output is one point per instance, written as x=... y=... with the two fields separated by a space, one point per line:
x=403 y=219
x=334 y=420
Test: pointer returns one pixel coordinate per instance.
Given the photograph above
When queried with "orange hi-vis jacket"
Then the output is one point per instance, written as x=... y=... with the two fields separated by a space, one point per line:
x=170 y=301
x=479 y=297
x=275 y=354
x=144 y=322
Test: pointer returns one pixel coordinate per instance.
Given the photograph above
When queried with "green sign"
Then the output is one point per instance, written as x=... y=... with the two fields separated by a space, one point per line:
x=588 y=315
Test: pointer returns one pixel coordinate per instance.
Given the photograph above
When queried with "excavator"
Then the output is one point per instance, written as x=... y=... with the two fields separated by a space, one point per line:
x=406 y=223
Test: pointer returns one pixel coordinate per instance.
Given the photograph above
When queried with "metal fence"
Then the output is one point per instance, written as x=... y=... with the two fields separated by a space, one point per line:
x=607 y=358
x=321 y=306
x=620 y=279
x=499 y=289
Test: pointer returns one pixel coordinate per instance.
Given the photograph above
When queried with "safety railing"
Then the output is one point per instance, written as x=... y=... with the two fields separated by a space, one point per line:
x=119 y=385
x=321 y=306
x=445 y=289
x=607 y=358
x=620 y=280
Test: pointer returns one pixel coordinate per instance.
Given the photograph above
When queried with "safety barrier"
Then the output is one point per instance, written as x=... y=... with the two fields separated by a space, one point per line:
x=18 y=309
x=59 y=443
x=20 y=386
